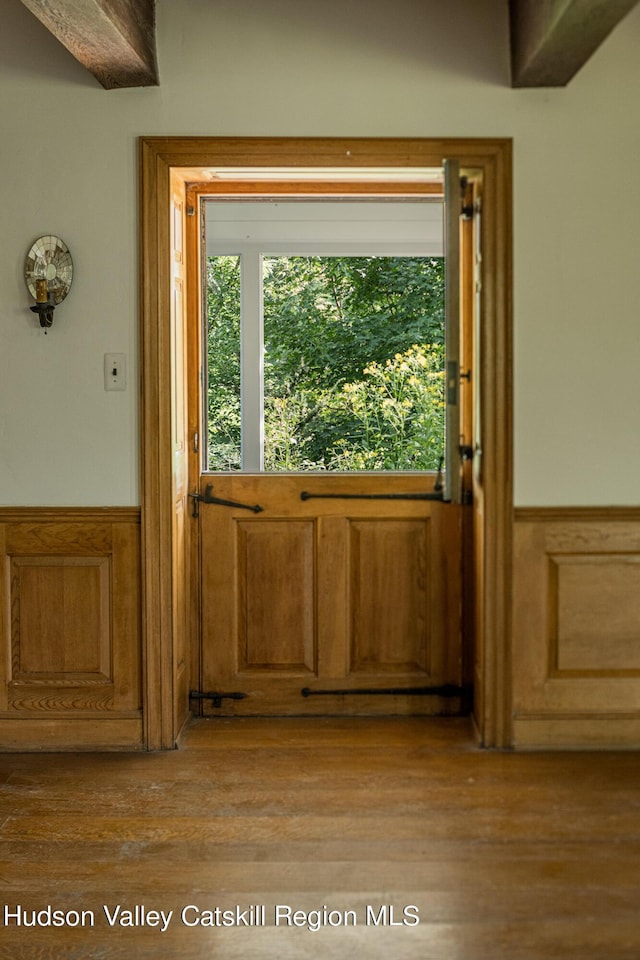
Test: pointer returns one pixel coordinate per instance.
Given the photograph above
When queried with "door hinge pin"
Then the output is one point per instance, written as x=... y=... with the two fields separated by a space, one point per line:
x=466 y=451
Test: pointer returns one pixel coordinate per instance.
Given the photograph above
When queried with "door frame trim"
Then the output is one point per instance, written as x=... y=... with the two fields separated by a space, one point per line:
x=162 y=157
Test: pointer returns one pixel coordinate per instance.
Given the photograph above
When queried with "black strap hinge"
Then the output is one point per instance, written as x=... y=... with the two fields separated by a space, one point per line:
x=215 y=696
x=208 y=497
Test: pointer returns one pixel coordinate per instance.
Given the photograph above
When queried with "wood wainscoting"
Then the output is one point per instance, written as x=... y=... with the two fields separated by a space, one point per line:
x=576 y=627
x=70 y=674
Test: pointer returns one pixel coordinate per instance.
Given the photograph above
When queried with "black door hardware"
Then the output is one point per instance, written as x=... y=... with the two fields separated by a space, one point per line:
x=216 y=697
x=433 y=495
x=209 y=498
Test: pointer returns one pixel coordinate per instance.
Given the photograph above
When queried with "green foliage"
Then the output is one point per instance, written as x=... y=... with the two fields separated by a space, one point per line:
x=353 y=366
x=223 y=362
x=326 y=318
x=398 y=413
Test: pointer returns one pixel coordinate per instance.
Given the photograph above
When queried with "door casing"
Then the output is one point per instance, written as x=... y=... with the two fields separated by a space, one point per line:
x=165 y=161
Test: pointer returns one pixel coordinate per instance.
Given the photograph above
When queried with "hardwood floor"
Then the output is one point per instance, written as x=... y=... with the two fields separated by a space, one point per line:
x=503 y=856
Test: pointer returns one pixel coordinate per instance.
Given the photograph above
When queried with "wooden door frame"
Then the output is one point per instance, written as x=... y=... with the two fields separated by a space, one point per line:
x=162 y=157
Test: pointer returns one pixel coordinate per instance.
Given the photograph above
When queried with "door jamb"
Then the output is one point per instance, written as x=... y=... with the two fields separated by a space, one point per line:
x=159 y=158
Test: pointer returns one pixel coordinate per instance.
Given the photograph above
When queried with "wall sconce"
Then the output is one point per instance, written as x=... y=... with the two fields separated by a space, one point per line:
x=48 y=272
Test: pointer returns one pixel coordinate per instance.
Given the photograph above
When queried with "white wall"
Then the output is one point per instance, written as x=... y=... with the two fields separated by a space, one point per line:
x=328 y=68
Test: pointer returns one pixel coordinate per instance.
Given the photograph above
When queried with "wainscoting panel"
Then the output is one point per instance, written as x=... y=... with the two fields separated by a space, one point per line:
x=576 y=627
x=60 y=619
x=70 y=673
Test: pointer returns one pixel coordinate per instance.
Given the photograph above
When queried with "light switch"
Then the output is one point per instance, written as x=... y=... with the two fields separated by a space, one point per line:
x=115 y=371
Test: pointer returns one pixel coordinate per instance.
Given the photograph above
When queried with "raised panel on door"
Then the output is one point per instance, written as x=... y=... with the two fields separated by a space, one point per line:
x=390 y=595
x=276 y=573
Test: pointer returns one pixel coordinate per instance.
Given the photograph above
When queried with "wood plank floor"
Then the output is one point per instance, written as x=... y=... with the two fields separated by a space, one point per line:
x=503 y=856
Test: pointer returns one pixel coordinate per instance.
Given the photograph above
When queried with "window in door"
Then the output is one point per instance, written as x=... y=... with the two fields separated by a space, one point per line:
x=324 y=339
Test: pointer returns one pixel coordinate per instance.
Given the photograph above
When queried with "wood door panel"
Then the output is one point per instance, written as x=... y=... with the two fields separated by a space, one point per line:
x=275 y=595
x=310 y=598
x=390 y=587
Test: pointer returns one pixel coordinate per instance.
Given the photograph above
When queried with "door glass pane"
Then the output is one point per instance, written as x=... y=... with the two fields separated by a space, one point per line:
x=223 y=363
x=353 y=362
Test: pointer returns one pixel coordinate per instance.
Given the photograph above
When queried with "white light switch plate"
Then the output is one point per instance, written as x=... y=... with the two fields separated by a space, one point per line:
x=115 y=371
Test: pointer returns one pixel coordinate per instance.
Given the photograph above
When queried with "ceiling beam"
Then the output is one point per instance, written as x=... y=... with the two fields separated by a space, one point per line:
x=552 y=39
x=114 y=39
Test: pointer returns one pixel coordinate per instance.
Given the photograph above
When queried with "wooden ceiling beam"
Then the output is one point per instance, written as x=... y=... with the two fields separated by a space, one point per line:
x=552 y=39
x=114 y=39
